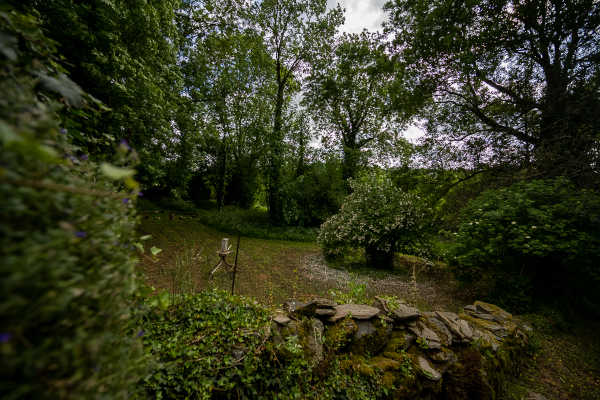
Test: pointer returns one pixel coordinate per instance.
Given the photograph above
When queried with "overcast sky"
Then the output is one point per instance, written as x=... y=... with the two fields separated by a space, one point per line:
x=361 y=14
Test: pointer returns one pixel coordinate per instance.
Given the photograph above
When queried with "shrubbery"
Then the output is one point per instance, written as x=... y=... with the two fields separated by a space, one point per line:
x=313 y=196
x=214 y=345
x=67 y=272
x=533 y=238
x=378 y=217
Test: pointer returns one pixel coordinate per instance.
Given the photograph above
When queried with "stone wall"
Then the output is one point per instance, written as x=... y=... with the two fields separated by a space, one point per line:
x=425 y=355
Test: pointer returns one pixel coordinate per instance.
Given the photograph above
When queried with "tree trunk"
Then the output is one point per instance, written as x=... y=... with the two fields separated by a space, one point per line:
x=221 y=175
x=379 y=259
x=349 y=165
x=275 y=156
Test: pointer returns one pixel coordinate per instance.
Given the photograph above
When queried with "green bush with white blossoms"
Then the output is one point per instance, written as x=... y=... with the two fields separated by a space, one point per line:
x=378 y=217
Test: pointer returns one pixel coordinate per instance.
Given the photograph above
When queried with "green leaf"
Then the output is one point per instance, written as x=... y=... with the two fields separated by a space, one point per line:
x=7 y=135
x=155 y=250
x=116 y=173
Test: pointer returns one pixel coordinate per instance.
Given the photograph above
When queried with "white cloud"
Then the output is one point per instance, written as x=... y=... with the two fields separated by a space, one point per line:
x=361 y=14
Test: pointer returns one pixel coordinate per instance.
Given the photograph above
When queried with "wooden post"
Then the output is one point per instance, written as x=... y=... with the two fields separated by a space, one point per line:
x=237 y=251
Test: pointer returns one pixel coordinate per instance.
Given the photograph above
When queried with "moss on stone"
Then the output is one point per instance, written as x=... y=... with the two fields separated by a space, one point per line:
x=339 y=335
x=385 y=364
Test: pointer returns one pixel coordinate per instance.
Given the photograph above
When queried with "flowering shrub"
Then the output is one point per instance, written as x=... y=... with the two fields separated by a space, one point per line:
x=539 y=237
x=378 y=217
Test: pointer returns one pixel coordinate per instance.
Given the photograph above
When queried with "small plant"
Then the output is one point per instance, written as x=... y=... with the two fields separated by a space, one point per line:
x=422 y=343
x=181 y=275
x=356 y=293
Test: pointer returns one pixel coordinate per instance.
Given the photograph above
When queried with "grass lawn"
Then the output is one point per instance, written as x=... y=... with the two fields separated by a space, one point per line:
x=567 y=365
x=272 y=271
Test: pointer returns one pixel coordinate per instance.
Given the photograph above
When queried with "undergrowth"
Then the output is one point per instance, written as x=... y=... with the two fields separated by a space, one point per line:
x=253 y=222
x=214 y=345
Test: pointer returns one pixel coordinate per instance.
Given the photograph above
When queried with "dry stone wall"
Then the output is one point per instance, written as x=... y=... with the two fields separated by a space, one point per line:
x=425 y=355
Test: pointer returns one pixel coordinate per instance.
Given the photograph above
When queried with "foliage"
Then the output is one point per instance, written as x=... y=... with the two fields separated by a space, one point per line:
x=356 y=293
x=295 y=33
x=253 y=223
x=513 y=83
x=124 y=54
x=541 y=235
x=378 y=217
x=348 y=93
x=313 y=196
x=66 y=236
x=207 y=344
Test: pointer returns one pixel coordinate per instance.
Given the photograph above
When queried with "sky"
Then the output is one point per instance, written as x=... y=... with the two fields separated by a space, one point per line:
x=361 y=14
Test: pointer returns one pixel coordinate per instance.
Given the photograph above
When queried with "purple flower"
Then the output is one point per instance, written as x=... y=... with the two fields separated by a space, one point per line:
x=140 y=194
x=125 y=144
x=84 y=157
x=63 y=131
x=141 y=333
x=5 y=337
x=80 y=234
x=125 y=200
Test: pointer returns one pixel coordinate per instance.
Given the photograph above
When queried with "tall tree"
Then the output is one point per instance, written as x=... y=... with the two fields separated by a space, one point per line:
x=229 y=76
x=349 y=95
x=295 y=32
x=513 y=81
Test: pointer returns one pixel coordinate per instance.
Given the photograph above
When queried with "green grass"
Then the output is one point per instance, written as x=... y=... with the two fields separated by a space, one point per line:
x=268 y=269
x=253 y=222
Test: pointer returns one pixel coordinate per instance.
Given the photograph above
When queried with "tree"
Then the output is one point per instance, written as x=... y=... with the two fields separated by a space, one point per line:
x=228 y=76
x=513 y=83
x=348 y=93
x=295 y=32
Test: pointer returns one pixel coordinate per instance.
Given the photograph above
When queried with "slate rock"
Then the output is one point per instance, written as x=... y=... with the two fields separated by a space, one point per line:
x=404 y=312
x=443 y=356
x=460 y=328
x=365 y=328
x=434 y=322
x=322 y=302
x=431 y=338
x=356 y=311
x=324 y=312
x=314 y=341
x=487 y=308
x=425 y=369
x=281 y=318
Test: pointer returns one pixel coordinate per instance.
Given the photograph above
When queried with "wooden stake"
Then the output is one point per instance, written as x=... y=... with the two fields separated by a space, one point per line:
x=237 y=251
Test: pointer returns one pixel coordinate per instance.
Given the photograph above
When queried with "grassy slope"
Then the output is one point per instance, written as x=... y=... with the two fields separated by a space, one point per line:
x=272 y=271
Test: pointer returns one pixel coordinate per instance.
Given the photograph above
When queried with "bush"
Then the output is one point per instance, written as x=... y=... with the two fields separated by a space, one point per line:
x=532 y=238
x=314 y=196
x=67 y=271
x=378 y=217
x=254 y=223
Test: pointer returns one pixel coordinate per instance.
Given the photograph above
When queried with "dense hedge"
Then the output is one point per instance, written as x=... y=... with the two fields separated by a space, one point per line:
x=533 y=239
x=66 y=271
